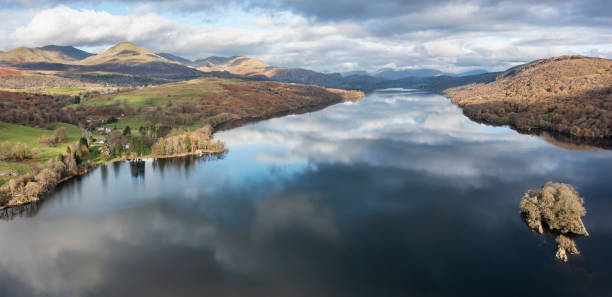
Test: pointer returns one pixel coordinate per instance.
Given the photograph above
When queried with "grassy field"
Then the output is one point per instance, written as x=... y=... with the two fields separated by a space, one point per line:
x=134 y=122
x=64 y=91
x=181 y=92
x=17 y=133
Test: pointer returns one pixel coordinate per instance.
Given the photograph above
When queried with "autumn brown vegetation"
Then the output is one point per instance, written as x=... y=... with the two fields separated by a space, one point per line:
x=18 y=152
x=571 y=95
x=59 y=136
x=556 y=208
x=36 y=110
x=187 y=142
x=217 y=102
x=163 y=117
x=27 y=187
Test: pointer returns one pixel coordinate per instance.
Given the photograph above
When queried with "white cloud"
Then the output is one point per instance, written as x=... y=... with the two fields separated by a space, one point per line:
x=450 y=37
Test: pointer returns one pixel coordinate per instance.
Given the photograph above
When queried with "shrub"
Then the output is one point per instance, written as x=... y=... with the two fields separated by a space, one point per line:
x=19 y=151
x=46 y=141
x=32 y=189
x=5 y=151
x=59 y=135
x=35 y=152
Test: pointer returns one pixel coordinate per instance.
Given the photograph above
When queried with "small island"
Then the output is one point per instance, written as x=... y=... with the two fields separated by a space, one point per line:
x=556 y=209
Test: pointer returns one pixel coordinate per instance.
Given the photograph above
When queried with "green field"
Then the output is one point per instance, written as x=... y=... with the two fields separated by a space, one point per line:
x=182 y=92
x=18 y=133
x=134 y=122
x=63 y=91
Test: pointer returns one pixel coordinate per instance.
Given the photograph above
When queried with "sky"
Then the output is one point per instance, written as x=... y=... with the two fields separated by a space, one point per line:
x=324 y=35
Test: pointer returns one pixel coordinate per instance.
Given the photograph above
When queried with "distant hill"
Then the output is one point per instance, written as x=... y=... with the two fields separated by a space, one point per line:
x=472 y=72
x=45 y=54
x=125 y=53
x=128 y=64
x=356 y=72
x=174 y=58
x=252 y=67
x=123 y=58
x=236 y=65
x=360 y=80
x=571 y=95
x=390 y=73
x=399 y=74
x=212 y=61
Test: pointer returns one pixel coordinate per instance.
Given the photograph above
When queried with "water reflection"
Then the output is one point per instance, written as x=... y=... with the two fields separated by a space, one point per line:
x=396 y=195
x=137 y=169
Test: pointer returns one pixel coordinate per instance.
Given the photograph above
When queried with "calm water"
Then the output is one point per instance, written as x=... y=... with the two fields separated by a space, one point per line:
x=397 y=195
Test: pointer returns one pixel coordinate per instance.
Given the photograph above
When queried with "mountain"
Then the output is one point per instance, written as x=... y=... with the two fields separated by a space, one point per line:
x=391 y=73
x=128 y=64
x=68 y=52
x=472 y=72
x=125 y=53
x=568 y=95
x=127 y=58
x=174 y=58
x=45 y=54
x=237 y=65
x=124 y=63
x=245 y=66
x=257 y=68
x=356 y=72
x=399 y=74
x=212 y=61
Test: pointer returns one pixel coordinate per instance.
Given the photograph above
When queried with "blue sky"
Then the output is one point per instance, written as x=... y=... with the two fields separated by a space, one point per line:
x=339 y=35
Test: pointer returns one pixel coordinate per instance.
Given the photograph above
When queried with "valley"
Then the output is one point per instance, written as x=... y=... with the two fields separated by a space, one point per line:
x=391 y=148
x=129 y=102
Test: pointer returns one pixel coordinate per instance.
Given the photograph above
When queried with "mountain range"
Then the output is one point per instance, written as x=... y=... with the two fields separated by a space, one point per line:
x=250 y=66
x=143 y=66
x=392 y=73
x=48 y=54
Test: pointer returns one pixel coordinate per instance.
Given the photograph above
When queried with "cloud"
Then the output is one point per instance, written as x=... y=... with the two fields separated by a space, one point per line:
x=340 y=36
x=426 y=127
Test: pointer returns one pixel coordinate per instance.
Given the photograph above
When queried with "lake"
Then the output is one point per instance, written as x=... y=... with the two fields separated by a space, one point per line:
x=396 y=195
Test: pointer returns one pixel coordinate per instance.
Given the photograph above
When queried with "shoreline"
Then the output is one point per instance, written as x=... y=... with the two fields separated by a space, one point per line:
x=6 y=202
x=32 y=199
x=563 y=136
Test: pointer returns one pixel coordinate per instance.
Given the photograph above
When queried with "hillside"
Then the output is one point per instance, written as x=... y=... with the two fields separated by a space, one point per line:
x=251 y=67
x=403 y=73
x=126 y=64
x=127 y=58
x=69 y=53
x=123 y=58
x=124 y=53
x=571 y=95
x=174 y=119
x=219 y=102
x=236 y=65
x=175 y=58
x=427 y=79
x=45 y=54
